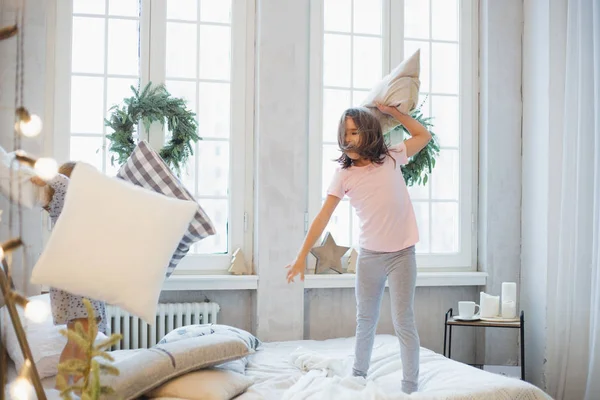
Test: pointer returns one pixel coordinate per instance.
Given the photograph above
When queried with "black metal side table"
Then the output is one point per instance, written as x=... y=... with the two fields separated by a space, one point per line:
x=450 y=321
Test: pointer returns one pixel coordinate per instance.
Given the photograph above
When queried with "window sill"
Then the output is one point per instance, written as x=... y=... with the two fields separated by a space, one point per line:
x=211 y=282
x=424 y=279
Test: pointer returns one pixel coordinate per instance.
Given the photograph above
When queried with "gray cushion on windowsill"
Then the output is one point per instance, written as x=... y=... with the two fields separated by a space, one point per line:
x=147 y=369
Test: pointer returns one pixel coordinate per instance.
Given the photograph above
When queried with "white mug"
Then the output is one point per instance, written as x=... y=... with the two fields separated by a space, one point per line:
x=466 y=309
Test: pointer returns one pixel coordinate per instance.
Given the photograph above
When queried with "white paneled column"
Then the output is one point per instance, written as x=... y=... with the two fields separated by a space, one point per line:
x=499 y=244
x=281 y=123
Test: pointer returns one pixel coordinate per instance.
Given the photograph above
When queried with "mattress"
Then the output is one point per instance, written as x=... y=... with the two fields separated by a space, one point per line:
x=313 y=370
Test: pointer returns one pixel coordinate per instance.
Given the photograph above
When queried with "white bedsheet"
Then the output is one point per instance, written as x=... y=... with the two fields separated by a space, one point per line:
x=311 y=370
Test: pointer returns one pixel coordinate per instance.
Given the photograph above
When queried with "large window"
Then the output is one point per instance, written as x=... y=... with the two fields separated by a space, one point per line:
x=197 y=48
x=354 y=43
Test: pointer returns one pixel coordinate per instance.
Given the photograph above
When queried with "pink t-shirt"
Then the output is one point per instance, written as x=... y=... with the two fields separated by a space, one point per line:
x=380 y=197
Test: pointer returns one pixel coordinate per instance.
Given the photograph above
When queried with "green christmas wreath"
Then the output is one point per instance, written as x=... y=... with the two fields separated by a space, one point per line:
x=419 y=167
x=153 y=104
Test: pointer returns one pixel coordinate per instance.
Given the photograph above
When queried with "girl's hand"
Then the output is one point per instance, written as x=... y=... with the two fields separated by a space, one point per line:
x=389 y=110
x=294 y=269
x=36 y=180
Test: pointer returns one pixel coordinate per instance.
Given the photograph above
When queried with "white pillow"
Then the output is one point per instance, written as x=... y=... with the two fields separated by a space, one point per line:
x=400 y=89
x=30 y=193
x=112 y=236
x=44 y=338
x=206 y=384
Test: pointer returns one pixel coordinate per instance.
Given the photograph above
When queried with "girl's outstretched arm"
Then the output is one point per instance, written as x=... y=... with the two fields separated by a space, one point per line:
x=419 y=135
x=314 y=232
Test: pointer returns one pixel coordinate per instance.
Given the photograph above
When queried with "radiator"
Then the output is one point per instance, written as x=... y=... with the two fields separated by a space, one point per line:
x=138 y=334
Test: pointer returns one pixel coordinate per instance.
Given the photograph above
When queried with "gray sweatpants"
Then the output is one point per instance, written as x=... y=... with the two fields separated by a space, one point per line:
x=372 y=269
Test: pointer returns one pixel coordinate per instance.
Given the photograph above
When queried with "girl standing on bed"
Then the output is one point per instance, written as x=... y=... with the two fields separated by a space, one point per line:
x=67 y=308
x=370 y=175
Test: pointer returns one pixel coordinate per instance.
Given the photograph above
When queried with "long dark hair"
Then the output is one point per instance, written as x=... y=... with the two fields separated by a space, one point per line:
x=371 y=145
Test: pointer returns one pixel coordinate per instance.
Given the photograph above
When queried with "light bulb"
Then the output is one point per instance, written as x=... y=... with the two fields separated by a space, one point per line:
x=32 y=127
x=37 y=311
x=21 y=389
x=46 y=168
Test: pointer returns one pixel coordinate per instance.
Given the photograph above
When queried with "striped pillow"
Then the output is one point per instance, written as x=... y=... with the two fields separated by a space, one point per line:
x=146 y=168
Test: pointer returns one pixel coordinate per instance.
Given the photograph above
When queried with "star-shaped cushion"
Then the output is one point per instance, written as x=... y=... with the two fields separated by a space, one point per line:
x=329 y=255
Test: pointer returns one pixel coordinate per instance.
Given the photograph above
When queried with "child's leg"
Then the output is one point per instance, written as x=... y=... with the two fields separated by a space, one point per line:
x=71 y=349
x=370 y=282
x=402 y=276
x=69 y=309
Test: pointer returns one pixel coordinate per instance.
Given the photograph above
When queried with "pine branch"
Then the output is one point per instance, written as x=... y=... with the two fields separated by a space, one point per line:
x=89 y=369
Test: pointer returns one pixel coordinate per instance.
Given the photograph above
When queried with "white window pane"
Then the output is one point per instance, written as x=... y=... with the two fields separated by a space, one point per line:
x=358 y=97
x=444 y=228
x=336 y=60
x=337 y=15
x=422 y=215
x=123 y=47
x=444 y=19
x=89 y=6
x=425 y=105
x=87 y=104
x=446 y=119
x=188 y=172
x=214 y=110
x=181 y=59
x=185 y=10
x=444 y=62
x=215 y=11
x=124 y=8
x=410 y=46
x=367 y=16
x=416 y=19
x=444 y=180
x=88 y=45
x=367 y=62
x=419 y=192
x=215 y=52
x=218 y=212
x=185 y=90
x=330 y=154
x=117 y=90
x=87 y=149
x=339 y=224
x=335 y=102
x=213 y=168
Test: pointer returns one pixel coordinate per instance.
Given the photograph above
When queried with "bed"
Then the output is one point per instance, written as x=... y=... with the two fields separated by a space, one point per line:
x=311 y=370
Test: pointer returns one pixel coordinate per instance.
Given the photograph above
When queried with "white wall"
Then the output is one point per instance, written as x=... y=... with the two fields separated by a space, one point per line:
x=331 y=313
x=34 y=85
x=543 y=91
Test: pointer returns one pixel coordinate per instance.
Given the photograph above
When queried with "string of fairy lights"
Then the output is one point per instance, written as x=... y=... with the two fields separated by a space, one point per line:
x=27 y=125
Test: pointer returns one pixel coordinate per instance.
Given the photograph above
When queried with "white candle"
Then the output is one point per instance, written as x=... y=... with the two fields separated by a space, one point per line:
x=490 y=305
x=509 y=291
x=509 y=309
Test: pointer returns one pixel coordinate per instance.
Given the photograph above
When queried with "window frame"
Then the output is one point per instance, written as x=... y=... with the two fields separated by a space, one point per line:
x=240 y=202
x=393 y=48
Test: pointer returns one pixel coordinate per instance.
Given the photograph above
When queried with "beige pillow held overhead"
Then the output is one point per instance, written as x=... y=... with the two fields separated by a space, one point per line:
x=400 y=89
